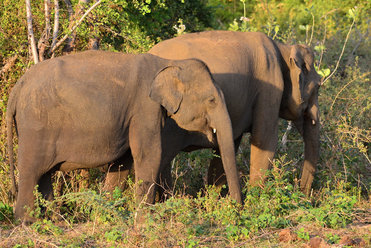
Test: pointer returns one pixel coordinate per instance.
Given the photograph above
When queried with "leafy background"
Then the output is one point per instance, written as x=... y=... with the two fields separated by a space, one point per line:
x=336 y=213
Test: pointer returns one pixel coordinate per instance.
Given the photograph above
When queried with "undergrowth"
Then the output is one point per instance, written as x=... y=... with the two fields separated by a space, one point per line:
x=188 y=221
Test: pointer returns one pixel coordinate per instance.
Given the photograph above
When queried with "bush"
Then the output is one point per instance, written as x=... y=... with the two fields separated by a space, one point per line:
x=6 y=212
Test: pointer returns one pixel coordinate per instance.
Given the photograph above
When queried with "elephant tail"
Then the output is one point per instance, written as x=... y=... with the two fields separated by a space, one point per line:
x=10 y=119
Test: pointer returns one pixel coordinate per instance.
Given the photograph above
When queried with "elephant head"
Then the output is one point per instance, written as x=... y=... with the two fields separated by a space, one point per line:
x=300 y=103
x=187 y=91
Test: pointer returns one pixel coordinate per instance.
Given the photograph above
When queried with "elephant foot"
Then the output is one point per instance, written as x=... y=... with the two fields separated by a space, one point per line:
x=26 y=220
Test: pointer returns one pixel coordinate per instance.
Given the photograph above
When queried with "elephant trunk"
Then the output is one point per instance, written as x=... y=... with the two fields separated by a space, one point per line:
x=309 y=127
x=311 y=154
x=222 y=125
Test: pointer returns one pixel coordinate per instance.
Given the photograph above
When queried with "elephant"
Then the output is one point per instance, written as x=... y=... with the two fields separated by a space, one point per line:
x=93 y=108
x=262 y=80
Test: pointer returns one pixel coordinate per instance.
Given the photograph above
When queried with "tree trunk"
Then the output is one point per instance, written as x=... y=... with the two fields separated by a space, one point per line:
x=56 y=24
x=31 y=36
x=44 y=40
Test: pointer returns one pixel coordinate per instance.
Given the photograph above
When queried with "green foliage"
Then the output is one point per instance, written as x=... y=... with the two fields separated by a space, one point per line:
x=346 y=129
x=335 y=207
x=332 y=238
x=6 y=212
x=113 y=235
x=47 y=227
x=302 y=234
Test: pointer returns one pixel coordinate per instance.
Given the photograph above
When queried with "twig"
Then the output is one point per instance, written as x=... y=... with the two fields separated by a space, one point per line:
x=323 y=44
x=14 y=230
x=311 y=35
x=119 y=35
x=342 y=52
x=284 y=138
x=142 y=202
x=74 y=27
x=351 y=81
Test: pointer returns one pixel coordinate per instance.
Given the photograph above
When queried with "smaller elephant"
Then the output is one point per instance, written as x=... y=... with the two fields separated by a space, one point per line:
x=92 y=108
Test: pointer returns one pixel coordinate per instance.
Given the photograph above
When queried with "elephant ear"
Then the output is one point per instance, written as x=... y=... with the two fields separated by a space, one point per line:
x=297 y=57
x=298 y=67
x=167 y=89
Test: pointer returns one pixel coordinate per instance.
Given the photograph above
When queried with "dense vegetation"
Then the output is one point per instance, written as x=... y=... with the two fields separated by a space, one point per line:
x=338 y=32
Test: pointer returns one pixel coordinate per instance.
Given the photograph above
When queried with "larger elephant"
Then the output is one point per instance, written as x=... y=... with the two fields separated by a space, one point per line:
x=89 y=109
x=262 y=80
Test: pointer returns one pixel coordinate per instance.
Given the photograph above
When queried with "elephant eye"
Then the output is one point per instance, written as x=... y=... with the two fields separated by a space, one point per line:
x=212 y=100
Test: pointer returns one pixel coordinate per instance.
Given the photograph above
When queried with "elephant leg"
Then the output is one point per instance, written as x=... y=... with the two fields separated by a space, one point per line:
x=146 y=180
x=35 y=160
x=145 y=145
x=25 y=197
x=264 y=140
x=216 y=174
x=118 y=173
x=261 y=161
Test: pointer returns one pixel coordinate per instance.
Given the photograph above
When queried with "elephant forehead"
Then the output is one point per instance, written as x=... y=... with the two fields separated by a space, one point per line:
x=199 y=94
x=309 y=62
x=200 y=83
x=308 y=56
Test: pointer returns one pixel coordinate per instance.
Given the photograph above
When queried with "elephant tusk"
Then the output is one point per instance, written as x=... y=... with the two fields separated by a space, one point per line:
x=313 y=122
x=214 y=130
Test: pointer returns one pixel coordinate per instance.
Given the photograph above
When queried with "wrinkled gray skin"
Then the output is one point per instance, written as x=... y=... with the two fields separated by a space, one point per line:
x=262 y=80
x=93 y=108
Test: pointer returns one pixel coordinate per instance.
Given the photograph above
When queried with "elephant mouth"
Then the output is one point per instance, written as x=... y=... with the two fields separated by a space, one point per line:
x=211 y=135
x=299 y=111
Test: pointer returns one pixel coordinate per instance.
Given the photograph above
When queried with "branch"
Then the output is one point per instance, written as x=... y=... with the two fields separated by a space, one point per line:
x=342 y=52
x=53 y=48
x=31 y=36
